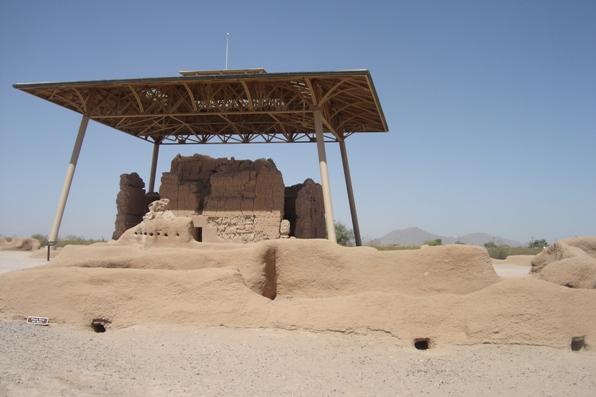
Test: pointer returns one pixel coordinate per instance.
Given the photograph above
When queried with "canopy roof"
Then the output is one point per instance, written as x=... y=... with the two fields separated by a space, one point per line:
x=232 y=106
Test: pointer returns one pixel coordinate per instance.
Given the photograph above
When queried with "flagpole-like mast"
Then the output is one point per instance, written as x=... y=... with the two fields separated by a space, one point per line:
x=227 y=43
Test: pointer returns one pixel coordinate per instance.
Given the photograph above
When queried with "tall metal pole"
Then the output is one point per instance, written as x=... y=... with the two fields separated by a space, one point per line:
x=68 y=181
x=153 y=167
x=344 y=160
x=227 y=44
x=329 y=221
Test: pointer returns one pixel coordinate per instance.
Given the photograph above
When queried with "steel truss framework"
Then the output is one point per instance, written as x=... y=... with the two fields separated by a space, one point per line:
x=248 y=106
x=230 y=107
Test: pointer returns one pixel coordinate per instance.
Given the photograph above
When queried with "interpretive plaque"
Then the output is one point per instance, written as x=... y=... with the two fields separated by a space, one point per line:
x=38 y=320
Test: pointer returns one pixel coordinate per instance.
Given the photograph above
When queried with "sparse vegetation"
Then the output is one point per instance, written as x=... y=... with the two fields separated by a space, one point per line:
x=502 y=251
x=539 y=244
x=494 y=251
x=68 y=240
x=43 y=240
x=396 y=247
x=343 y=234
x=8 y=239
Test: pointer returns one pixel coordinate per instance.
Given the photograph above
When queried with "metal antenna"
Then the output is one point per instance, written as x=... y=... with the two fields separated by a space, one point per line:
x=227 y=43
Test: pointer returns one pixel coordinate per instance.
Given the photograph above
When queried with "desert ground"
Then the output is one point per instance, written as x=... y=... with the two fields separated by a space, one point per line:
x=156 y=359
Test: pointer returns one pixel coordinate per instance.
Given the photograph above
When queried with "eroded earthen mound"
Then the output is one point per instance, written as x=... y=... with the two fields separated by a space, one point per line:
x=446 y=295
x=19 y=244
x=570 y=262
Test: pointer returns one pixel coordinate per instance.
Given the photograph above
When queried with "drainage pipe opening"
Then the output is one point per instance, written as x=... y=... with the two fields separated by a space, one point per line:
x=99 y=325
x=577 y=343
x=422 y=343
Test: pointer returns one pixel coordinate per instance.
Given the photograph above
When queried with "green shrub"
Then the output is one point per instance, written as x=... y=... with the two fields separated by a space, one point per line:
x=343 y=234
x=434 y=242
x=539 y=244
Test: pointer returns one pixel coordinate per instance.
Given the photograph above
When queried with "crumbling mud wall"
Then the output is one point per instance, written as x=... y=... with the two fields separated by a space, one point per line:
x=446 y=295
x=130 y=203
x=229 y=200
x=305 y=210
x=570 y=262
x=19 y=244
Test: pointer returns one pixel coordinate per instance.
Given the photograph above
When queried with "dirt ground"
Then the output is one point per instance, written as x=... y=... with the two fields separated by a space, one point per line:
x=194 y=361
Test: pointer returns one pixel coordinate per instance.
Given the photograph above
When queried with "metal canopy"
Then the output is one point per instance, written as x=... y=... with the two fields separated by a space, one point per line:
x=232 y=106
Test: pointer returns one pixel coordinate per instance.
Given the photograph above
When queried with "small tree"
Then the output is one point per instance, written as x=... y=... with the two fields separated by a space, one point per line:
x=343 y=234
x=434 y=242
x=539 y=244
x=490 y=244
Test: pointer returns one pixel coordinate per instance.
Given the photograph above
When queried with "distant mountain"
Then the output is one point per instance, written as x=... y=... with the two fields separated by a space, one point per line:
x=417 y=236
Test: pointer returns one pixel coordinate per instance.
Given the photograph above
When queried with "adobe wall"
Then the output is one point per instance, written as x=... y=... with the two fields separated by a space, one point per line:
x=130 y=203
x=241 y=200
x=228 y=200
x=305 y=210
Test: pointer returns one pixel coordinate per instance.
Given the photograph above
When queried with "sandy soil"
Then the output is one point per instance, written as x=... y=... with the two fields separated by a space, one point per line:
x=522 y=260
x=14 y=260
x=512 y=271
x=195 y=361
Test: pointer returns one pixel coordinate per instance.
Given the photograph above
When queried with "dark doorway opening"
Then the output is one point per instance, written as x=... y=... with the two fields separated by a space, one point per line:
x=198 y=234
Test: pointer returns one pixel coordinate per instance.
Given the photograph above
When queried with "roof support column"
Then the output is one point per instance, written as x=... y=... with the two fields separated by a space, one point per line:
x=329 y=221
x=153 y=167
x=68 y=181
x=344 y=160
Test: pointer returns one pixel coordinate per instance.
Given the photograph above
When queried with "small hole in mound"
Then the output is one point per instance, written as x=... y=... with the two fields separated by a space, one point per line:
x=99 y=325
x=136 y=233
x=165 y=235
x=177 y=234
x=422 y=343
x=569 y=285
x=577 y=343
x=159 y=233
x=151 y=234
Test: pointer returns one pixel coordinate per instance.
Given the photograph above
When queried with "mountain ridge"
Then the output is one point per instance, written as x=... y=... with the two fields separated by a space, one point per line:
x=417 y=236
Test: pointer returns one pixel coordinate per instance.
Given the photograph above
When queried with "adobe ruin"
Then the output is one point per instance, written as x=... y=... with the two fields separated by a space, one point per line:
x=228 y=200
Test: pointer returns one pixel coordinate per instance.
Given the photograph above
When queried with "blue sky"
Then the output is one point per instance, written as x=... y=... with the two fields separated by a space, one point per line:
x=491 y=106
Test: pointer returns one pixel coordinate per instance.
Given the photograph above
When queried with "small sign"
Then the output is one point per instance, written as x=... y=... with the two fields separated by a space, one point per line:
x=38 y=320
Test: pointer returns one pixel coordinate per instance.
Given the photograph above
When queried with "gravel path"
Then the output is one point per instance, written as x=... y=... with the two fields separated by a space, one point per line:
x=15 y=260
x=190 y=361
x=512 y=271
